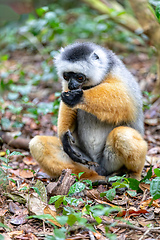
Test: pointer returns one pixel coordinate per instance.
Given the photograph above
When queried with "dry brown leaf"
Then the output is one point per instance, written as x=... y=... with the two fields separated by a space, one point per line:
x=132 y=211
x=147 y=202
x=18 y=220
x=29 y=161
x=30 y=236
x=150 y=160
x=48 y=210
x=15 y=233
x=2 y=212
x=26 y=173
x=36 y=206
x=98 y=235
x=13 y=207
x=144 y=186
x=151 y=121
x=107 y=203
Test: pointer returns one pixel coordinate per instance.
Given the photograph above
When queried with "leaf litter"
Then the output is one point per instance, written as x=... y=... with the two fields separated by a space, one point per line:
x=25 y=192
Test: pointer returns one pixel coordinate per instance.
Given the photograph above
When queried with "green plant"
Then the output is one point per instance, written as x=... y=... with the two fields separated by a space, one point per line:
x=70 y=215
x=4 y=174
x=155 y=186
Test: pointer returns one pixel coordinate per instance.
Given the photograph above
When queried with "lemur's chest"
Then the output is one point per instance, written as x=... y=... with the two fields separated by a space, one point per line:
x=92 y=133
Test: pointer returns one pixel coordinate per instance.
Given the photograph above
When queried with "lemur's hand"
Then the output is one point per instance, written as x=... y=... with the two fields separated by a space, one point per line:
x=67 y=140
x=73 y=97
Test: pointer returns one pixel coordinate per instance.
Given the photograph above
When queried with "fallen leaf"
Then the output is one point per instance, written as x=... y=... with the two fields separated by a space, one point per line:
x=17 y=197
x=144 y=186
x=98 y=235
x=147 y=202
x=26 y=174
x=36 y=206
x=13 y=207
x=151 y=121
x=30 y=236
x=42 y=190
x=15 y=233
x=132 y=212
x=107 y=203
x=48 y=210
x=29 y=161
x=2 y=212
x=19 y=220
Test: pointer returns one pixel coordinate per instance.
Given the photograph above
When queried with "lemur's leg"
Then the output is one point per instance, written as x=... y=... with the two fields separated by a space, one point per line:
x=125 y=147
x=49 y=153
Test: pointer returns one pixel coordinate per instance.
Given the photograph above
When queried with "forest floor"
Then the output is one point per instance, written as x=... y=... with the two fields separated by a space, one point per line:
x=19 y=196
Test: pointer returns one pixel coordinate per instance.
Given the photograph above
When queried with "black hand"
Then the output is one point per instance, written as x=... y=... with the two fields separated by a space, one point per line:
x=71 y=98
x=67 y=147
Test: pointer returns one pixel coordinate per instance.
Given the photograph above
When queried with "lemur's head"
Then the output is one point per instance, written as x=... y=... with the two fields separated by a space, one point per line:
x=83 y=64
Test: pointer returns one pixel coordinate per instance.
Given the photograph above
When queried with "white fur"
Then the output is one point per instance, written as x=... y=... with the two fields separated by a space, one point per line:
x=93 y=69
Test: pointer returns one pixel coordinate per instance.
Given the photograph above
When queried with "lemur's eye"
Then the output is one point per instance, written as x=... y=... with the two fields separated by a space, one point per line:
x=81 y=77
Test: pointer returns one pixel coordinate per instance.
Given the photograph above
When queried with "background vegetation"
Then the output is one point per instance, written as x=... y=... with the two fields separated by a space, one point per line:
x=30 y=35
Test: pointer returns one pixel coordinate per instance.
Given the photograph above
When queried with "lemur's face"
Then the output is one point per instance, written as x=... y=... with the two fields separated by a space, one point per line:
x=82 y=65
x=75 y=80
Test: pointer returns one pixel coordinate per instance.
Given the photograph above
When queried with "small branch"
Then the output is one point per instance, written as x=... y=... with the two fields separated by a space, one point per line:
x=133 y=227
x=20 y=143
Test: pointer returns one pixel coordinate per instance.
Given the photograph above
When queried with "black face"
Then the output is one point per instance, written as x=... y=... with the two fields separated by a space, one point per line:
x=75 y=80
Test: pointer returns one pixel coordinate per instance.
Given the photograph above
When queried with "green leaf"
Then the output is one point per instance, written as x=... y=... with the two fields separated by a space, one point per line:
x=7 y=152
x=89 y=182
x=2 y=237
x=157 y=11
x=80 y=174
x=73 y=201
x=62 y=219
x=53 y=199
x=120 y=185
x=59 y=234
x=98 y=219
x=59 y=201
x=132 y=193
x=148 y=176
x=42 y=217
x=13 y=96
x=77 y=187
x=157 y=171
x=133 y=184
x=71 y=219
x=155 y=188
x=15 y=153
x=4 y=159
x=110 y=194
x=4 y=226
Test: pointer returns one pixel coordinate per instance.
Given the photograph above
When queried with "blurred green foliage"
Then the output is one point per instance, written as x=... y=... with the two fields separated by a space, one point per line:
x=44 y=32
x=53 y=26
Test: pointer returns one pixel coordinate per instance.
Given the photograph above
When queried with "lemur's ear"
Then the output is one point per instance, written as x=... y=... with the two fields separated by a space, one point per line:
x=61 y=50
x=94 y=56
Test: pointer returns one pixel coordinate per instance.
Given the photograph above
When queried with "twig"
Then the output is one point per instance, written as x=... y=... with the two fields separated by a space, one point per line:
x=144 y=195
x=124 y=225
x=91 y=235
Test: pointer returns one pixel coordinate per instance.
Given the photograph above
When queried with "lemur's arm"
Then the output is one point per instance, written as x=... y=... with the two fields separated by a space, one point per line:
x=109 y=101
x=66 y=119
x=66 y=125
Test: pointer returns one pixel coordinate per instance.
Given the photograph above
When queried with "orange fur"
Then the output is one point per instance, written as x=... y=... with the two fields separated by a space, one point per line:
x=109 y=101
x=130 y=148
x=48 y=152
x=66 y=119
